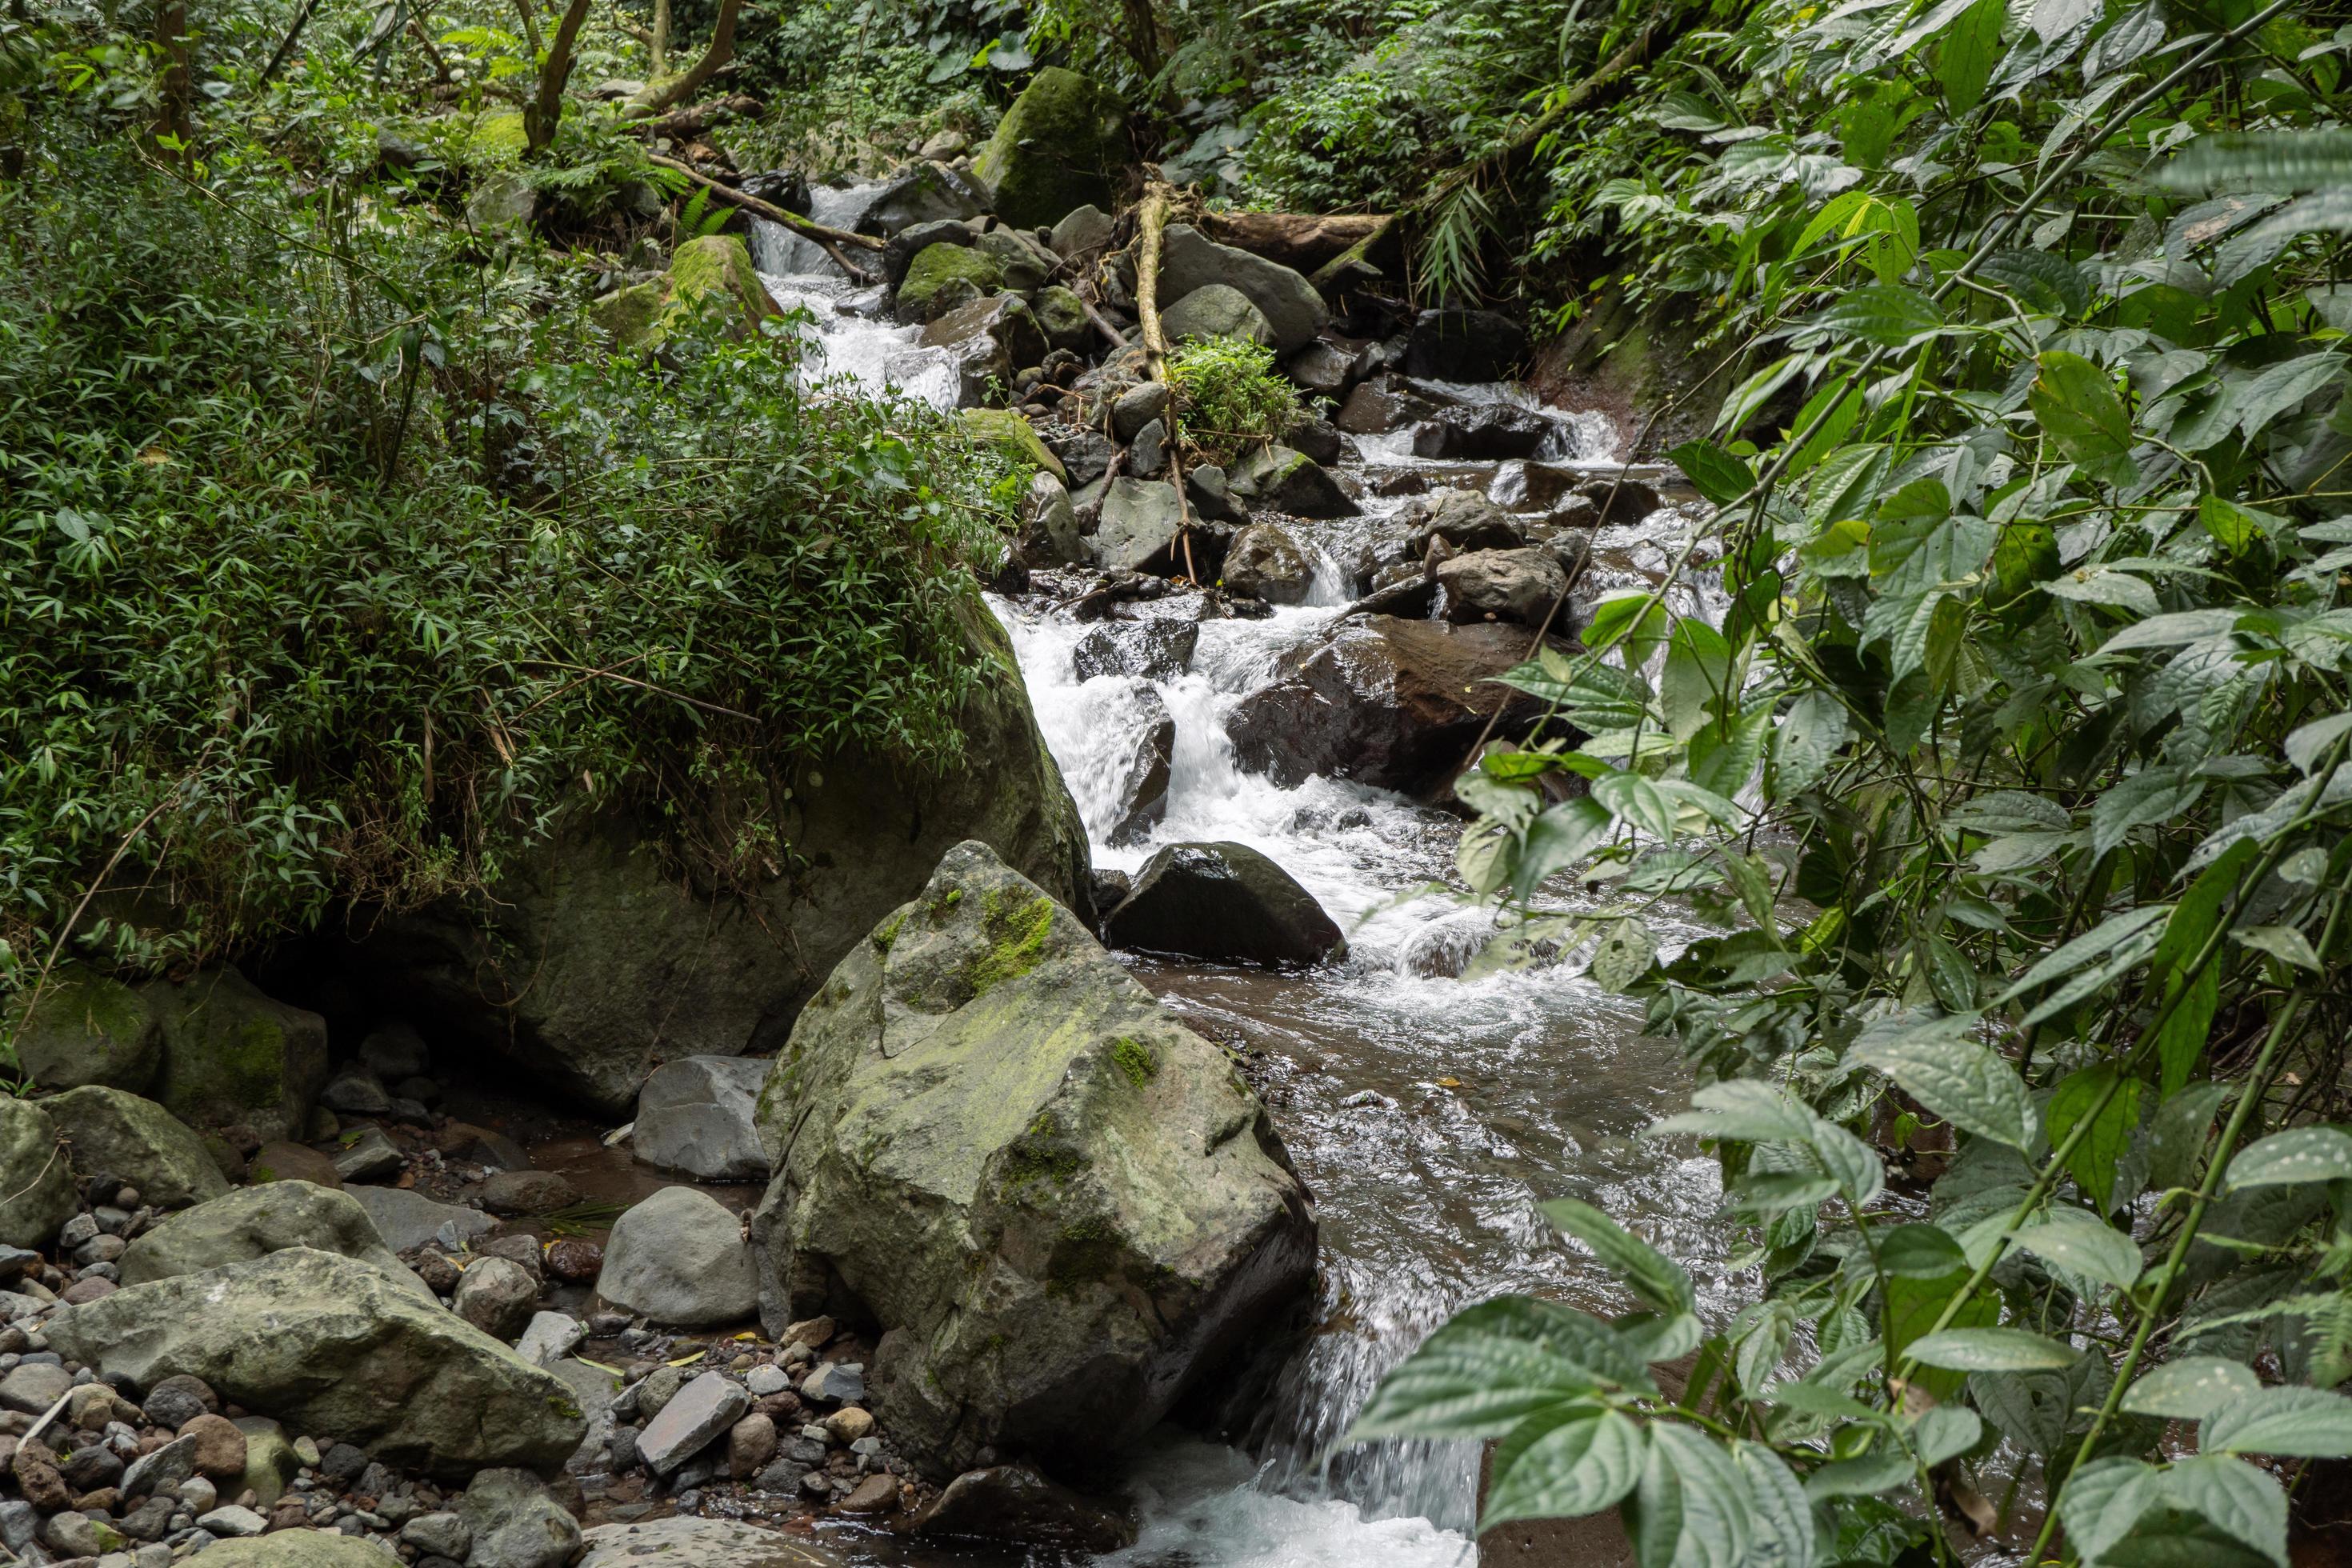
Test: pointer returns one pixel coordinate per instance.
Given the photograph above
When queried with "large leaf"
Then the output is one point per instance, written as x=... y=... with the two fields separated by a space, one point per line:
x=1690 y=1508
x=1992 y=1350
x=1494 y=1365
x=1964 y=61
x=1744 y=1110
x=2044 y=281
x=2192 y=1388
x=2092 y=1162
x=2294 y=1423
x=1805 y=742
x=2076 y=403
x=1563 y=1468
x=2296 y=1157
x=2245 y=1504
x=2282 y=160
x=2082 y=1245
x=1712 y=471
x=1780 y=1523
x=1558 y=839
x=2103 y=1500
x=1886 y=314
x=1956 y=1077
x=1657 y=1279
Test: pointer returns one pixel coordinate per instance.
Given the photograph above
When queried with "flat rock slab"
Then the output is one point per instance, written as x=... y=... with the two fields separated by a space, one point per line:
x=297 y=1549
x=683 y=1542
x=694 y=1115
x=406 y=1219
x=691 y=1421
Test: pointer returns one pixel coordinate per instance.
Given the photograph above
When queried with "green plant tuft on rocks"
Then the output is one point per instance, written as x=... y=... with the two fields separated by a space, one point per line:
x=1230 y=397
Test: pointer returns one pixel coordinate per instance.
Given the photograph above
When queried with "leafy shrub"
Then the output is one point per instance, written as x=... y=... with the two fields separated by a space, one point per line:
x=1230 y=397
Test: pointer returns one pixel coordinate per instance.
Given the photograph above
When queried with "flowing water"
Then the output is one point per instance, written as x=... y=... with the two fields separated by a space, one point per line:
x=1429 y=1115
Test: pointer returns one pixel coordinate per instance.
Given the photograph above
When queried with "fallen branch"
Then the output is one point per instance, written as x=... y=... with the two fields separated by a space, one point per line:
x=833 y=239
x=1154 y=222
x=1302 y=241
x=682 y=124
x=1353 y=259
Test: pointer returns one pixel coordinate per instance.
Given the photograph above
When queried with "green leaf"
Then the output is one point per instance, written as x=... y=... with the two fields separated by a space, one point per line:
x=1920 y=1251
x=2284 y=944
x=1866 y=1475
x=2295 y=1157
x=1712 y=471
x=2048 y=282
x=1780 y=1524
x=1495 y=1365
x=1635 y=800
x=1804 y=743
x=1623 y=955
x=2117 y=932
x=1564 y=1469
x=2192 y=1388
x=2294 y=1423
x=1657 y=1280
x=2308 y=744
x=2103 y=1500
x=1946 y=1431
x=1885 y=313
x=2175 y=1137
x=1992 y=1350
x=1633 y=619
x=2102 y=585
x=1697 y=676
x=2181 y=1041
x=2280 y=387
x=2301 y=160
x=2082 y=1245
x=1559 y=838
x=2149 y=796
x=1964 y=61
x=1956 y=1077
x=1690 y=1508
x=2244 y=1503
x=2232 y=526
x=2093 y=1161
x=2076 y=403
x=1743 y=1109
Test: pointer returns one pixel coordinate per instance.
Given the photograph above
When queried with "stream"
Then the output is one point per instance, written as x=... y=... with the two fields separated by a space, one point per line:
x=1429 y=1115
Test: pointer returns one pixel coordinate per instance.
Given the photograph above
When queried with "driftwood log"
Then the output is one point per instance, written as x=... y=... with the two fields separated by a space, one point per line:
x=1151 y=224
x=1301 y=241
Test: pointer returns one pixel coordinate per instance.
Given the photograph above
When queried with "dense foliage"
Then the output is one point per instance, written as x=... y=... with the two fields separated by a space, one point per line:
x=339 y=553
x=1230 y=396
x=2015 y=784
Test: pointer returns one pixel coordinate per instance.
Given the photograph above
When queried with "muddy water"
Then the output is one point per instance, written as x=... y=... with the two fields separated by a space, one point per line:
x=1429 y=1115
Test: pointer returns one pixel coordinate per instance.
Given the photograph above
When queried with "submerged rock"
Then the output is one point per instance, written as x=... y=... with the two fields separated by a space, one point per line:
x=1223 y=901
x=1014 y=1503
x=334 y=1345
x=695 y=1116
x=1063 y=1207
x=1481 y=432
x=681 y=1541
x=1157 y=649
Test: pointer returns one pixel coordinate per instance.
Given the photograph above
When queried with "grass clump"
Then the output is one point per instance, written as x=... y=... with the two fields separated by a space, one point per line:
x=1230 y=397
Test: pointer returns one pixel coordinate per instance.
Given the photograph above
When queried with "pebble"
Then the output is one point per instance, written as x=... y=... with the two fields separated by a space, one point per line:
x=849 y=1425
x=766 y=1380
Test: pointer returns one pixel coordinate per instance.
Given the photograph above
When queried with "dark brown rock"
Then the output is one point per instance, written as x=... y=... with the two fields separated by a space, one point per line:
x=1014 y=1503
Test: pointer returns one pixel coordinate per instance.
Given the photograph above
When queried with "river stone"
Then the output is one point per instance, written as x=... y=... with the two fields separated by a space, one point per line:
x=406 y=1219
x=691 y=1421
x=138 y=1142
x=682 y=1542
x=1519 y=585
x=1062 y=317
x=1063 y=1207
x=1281 y=479
x=1082 y=231
x=1049 y=523
x=1483 y=432
x=1153 y=650
x=334 y=1345
x=1385 y=403
x=1061 y=145
x=1014 y=1503
x=271 y=1461
x=370 y=1157
x=516 y=1523
x=926 y=191
x=1294 y=312
x=1466 y=519
x=497 y=1296
x=933 y=267
x=520 y=1193
x=254 y=1222
x=1140 y=520
x=1387 y=701
x=1464 y=345
x=36 y=1175
x=1215 y=311
x=1222 y=901
x=1264 y=562
x=678 y=1259
x=232 y=1056
x=297 y=1549
x=549 y=1338
x=989 y=339
x=280 y=1161
x=695 y=1116
x=1086 y=453
x=1026 y=263
x=592 y=962
x=1138 y=406
x=89 y=1028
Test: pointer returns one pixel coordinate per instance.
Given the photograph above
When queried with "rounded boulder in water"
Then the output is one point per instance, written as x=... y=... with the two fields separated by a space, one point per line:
x=1222 y=901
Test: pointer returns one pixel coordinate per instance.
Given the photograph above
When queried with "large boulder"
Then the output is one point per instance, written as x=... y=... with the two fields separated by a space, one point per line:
x=1014 y=1503
x=86 y=1027
x=516 y=1523
x=333 y=1345
x=1386 y=402
x=685 y=1542
x=138 y=1141
x=694 y=1115
x=1139 y=526
x=232 y=1056
x=1278 y=478
x=254 y=1222
x=1013 y=435
x=1466 y=519
x=1159 y=649
x=1519 y=585
x=933 y=269
x=1222 y=901
x=1265 y=563
x=678 y=1259
x=1293 y=309
x=1064 y=1209
x=593 y=961
x=1062 y=145
x=34 y=1175
x=713 y=272
x=1215 y=311
x=1386 y=702
x=1464 y=345
x=926 y=191
x=990 y=340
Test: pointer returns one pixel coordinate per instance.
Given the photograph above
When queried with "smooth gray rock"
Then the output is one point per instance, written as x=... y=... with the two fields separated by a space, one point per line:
x=1050 y=522
x=497 y=1296
x=990 y=340
x=138 y=1142
x=1289 y=481
x=550 y=1337
x=439 y=1535
x=1140 y=520
x=253 y=1222
x=1264 y=562
x=516 y=1523
x=1215 y=311
x=36 y=1175
x=1137 y=407
x=329 y=1344
x=163 y=1472
x=698 y=1415
x=1293 y=309
x=1519 y=586
x=925 y=193
x=1083 y=230
x=679 y=1258
x=371 y=1157
x=31 y=1390
x=406 y=1219
x=694 y=1115
x=684 y=1542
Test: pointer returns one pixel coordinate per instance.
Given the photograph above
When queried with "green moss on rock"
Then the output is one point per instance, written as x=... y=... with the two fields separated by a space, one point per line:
x=87 y=1028
x=1062 y=145
x=1010 y=433
x=934 y=268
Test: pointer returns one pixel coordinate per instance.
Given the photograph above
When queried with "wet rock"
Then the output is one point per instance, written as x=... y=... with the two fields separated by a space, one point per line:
x=496 y=1296
x=678 y=1257
x=1158 y=650
x=370 y=1157
x=1139 y=527
x=1025 y=264
x=255 y=1222
x=1386 y=702
x=1464 y=345
x=1619 y=500
x=356 y=1091
x=924 y=193
x=1222 y=901
x=1384 y=403
x=1481 y=432
x=1148 y=457
x=36 y=1177
x=997 y=1136
x=88 y=1028
x=751 y=1444
x=1466 y=519
x=875 y=1494
x=1265 y=563
x=395 y=1051
x=1215 y=311
x=1083 y=231
x=1143 y=759
x=1293 y=309
x=516 y=1523
x=1280 y=478
x=337 y=1346
x=989 y=339
x=1137 y=407
x=1519 y=586
x=1049 y=533
x=682 y=1542
x=472 y=1146
x=922 y=295
x=1319 y=439
x=517 y=1193
x=1086 y=454
x=1330 y=366
x=138 y=1142
x=1061 y=145
x=695 y=1418
x=232 y=1056
x=694 y=1115
x=575 y=1261
x=407 y=1220
x=1206 y=485
x=1014 y=1503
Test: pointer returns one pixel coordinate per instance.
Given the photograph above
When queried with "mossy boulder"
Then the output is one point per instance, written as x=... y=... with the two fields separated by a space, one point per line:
x=1064 y=1207
x=1010 y=433
x=86 y=1027
x=1062 y=317
x=234 y=1058
x=253 y=1222
x=933 y=269
x=1062 y=145
x=138 y=1142
x=496 y=140
x=34 y=1176
x=629 y=314
x=718 y=266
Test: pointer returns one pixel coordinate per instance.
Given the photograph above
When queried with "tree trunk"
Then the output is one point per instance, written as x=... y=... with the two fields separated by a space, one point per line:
x=541 y=116
x=659 y=94
x=171 y=119
x=657 y=50
x=1300 y=241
